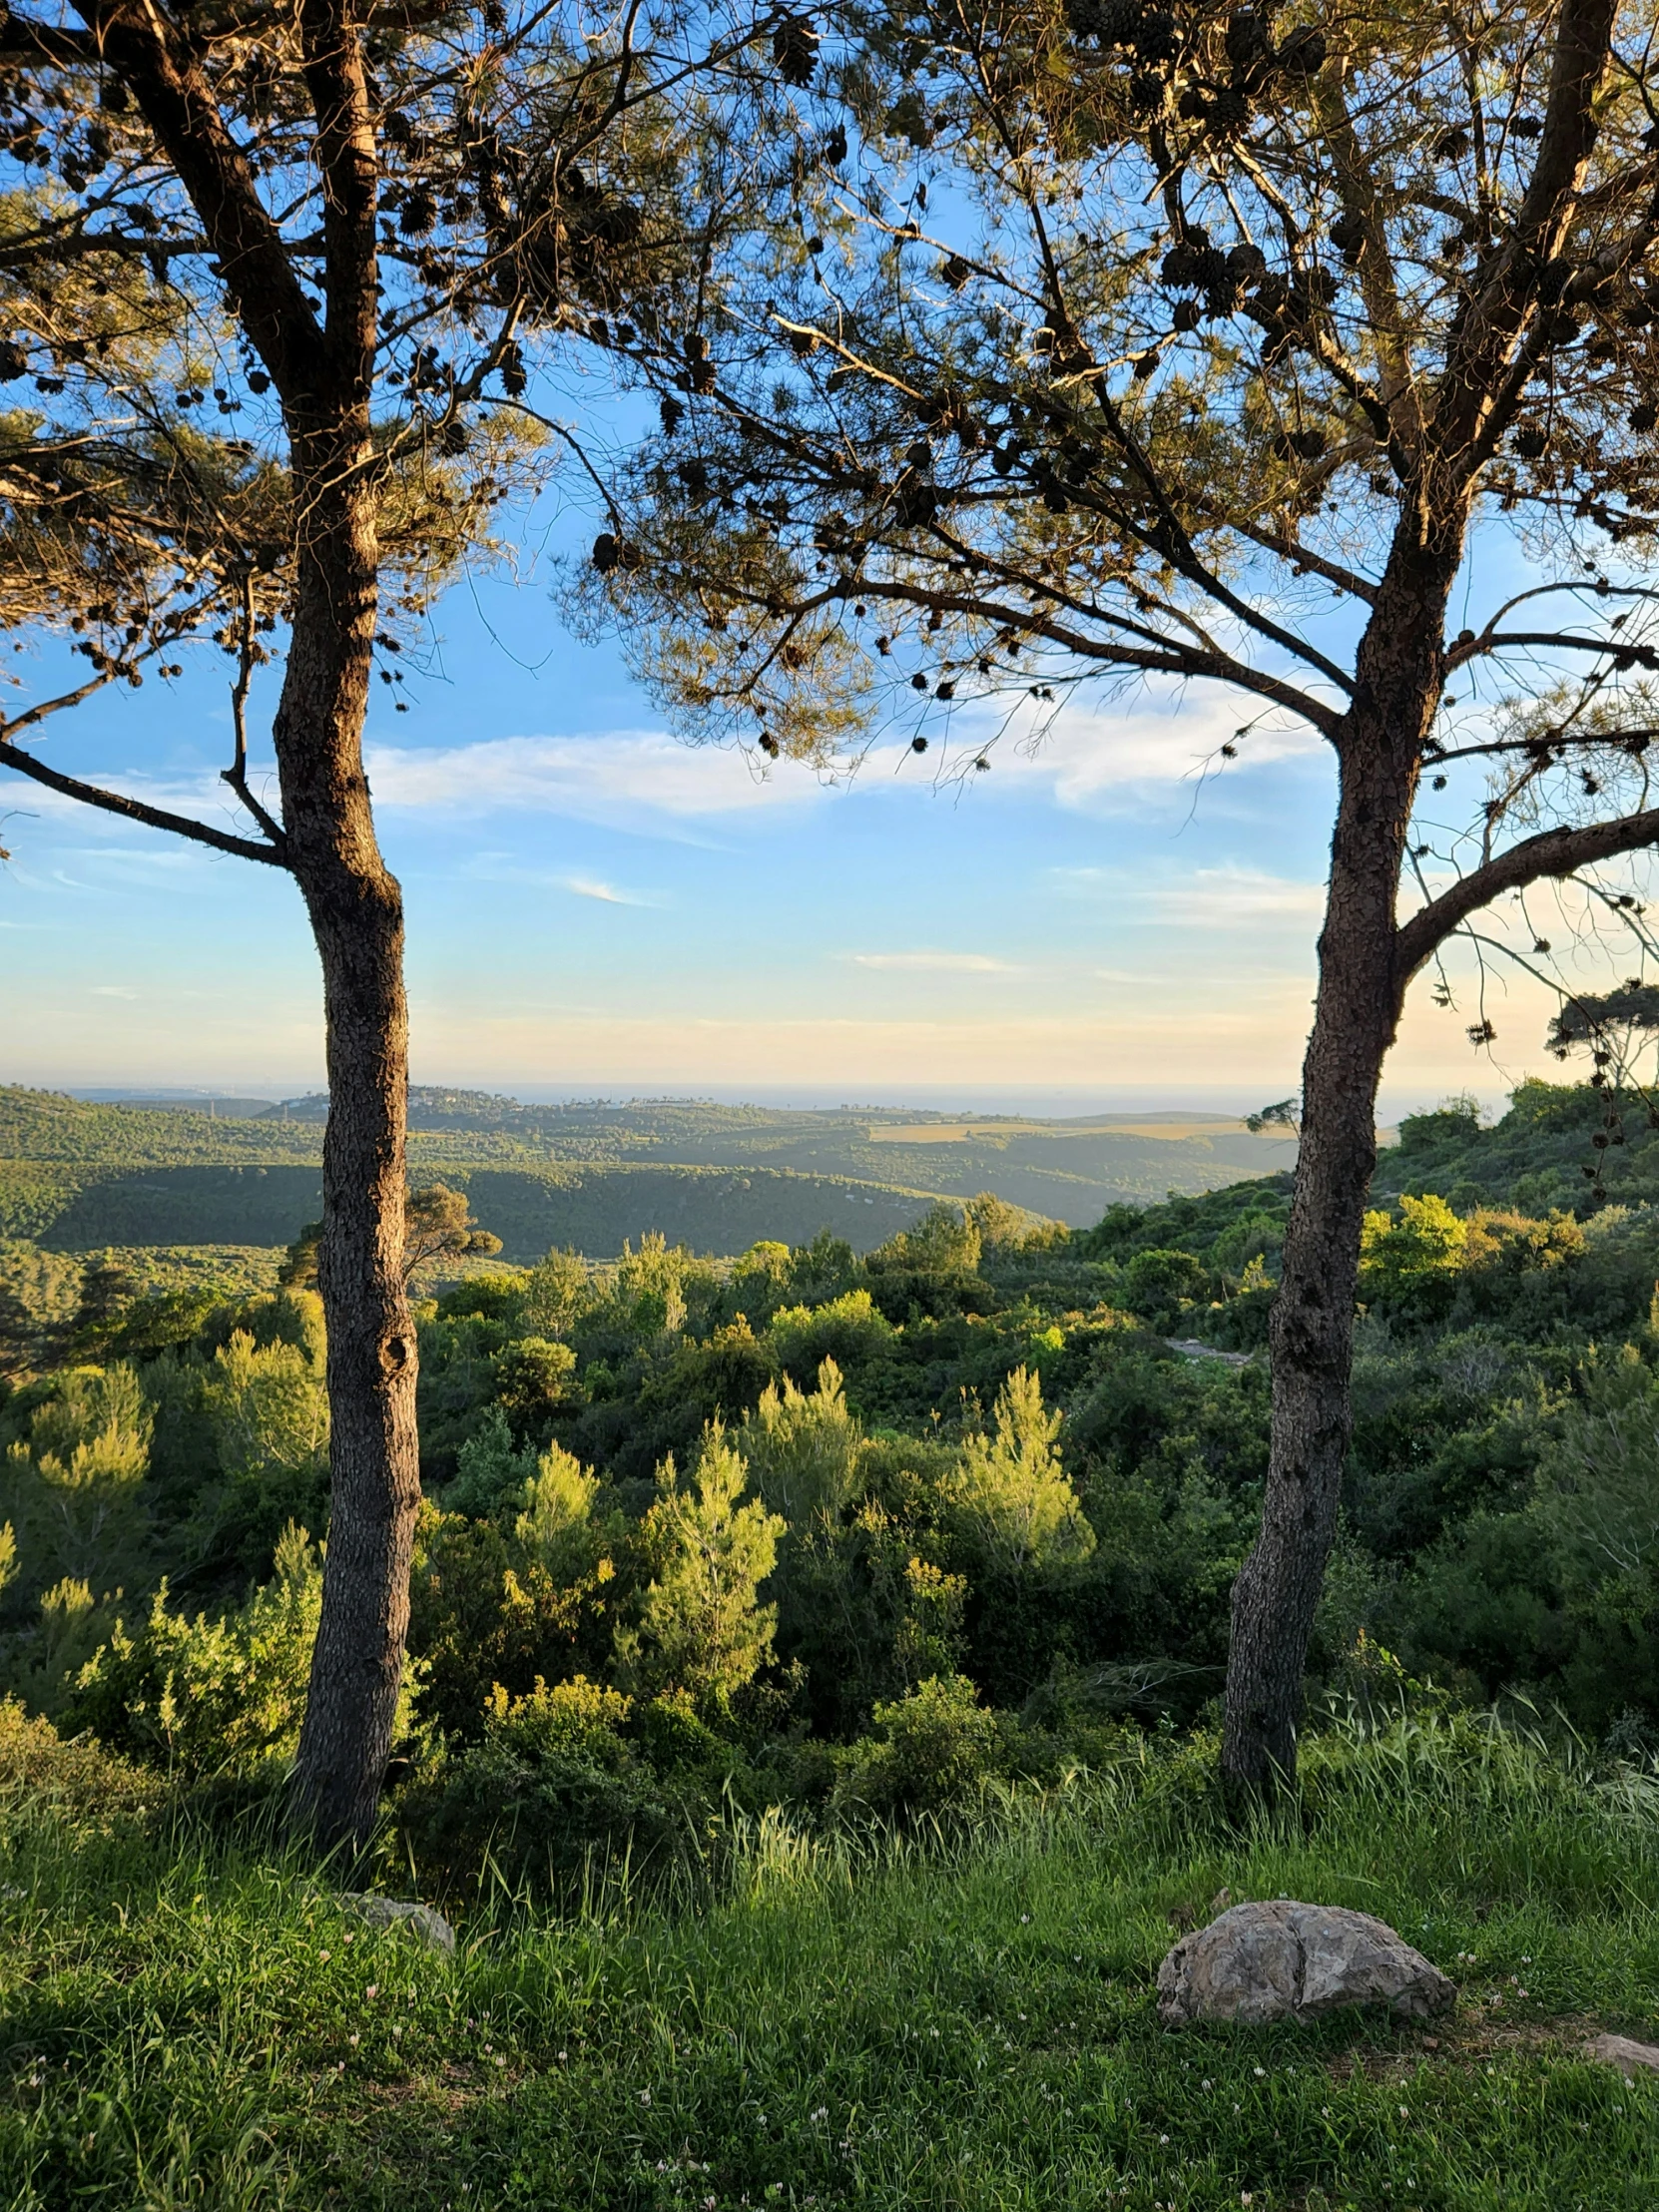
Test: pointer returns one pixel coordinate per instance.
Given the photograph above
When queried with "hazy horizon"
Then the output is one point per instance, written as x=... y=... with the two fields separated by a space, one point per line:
x=1055 y=1103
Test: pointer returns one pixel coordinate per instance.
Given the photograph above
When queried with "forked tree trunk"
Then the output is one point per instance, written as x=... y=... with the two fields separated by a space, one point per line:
x=357 y=914
x=1398 y=676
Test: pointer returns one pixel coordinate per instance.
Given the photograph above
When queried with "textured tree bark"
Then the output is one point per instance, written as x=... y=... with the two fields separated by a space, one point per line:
x=355 y=909
x=1361 y=989
x=325 y=376
x=323 y=365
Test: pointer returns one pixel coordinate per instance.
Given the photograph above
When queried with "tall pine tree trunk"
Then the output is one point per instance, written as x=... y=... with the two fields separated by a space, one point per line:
x=357 y=914
x=1363 y=969
x=1379 y=749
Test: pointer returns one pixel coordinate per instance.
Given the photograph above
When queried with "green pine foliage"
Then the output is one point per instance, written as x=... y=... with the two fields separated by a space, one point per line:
x=208 y=1695
x=73 y=1490
x=820 y=1530
x=702 y=1626
x=803 y=1453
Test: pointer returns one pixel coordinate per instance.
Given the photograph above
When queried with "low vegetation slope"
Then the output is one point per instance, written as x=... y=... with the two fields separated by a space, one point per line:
x=593 y=1209
x=75 y=1177
x=822 y=1648
x=843 y=2018
x=988 y=1475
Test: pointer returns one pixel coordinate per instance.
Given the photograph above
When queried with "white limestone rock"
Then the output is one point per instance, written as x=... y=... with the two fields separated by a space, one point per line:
x=1282 y=1961
x=1631 y=2058
x=421 y=1922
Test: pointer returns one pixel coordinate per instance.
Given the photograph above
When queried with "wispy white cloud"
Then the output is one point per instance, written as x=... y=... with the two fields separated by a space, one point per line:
x=1216 y=898
x=611 y=776
x=587 y=886
x=160 y=852
x=648 y=780
x=1207 y=898
x=631 y=776
x=1156 y=739
x=111 y=991
x=501 y=868
x=954 y=963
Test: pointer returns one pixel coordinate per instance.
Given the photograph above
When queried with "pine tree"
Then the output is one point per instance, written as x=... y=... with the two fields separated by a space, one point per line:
x=1106 y=346
x=1013 y=1488
x=704 y=1628
x=283 y=281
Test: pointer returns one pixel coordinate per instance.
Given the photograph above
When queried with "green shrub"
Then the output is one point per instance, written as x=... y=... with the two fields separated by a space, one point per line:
x=577 y=1719
x=75 y=1775
x=1240 y=1323
x=933 y=1751
x=534 y=1378
x=209 y=1696
x=72 y=1482
x=265 y=1405
x=1160 y=1286
x=802 y=1453
x=1410 y=1265
x=703 y=1628
x=847 y=1330
x=489 y=1468
x=42 y=1658
x=552 y=1786
x=942 y=1241
x=290 y=1316
x=1011 y=1490
x=486 y=1609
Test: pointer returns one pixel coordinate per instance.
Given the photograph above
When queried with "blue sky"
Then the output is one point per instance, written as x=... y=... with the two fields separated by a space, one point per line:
x=597 y=908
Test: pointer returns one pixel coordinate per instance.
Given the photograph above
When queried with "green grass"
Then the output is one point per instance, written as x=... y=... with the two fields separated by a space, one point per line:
x=967 y=2026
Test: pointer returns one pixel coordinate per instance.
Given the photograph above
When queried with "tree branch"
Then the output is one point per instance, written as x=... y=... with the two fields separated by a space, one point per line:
x=236 y=773
x=1554 y=852
x=24 y=40
x=1592 y=740
x=133 y=809
x=1481 y=345
x=182 y=110
x=1291 y=549
x=1557 y=641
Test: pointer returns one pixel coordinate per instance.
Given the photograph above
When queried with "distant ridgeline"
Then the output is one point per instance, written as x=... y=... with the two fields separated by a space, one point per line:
x=115 y=1176
x=76 y=1176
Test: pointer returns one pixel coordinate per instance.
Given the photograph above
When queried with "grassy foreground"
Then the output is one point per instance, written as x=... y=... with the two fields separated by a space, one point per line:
x=968 y=2027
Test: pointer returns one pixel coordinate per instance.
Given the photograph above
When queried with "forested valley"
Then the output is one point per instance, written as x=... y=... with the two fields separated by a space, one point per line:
x=78 y=1174
x=854 y=1534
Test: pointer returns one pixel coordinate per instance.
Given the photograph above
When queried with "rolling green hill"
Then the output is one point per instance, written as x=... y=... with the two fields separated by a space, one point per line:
x=592 y=1209
x=82 y=1176
x=76 y=1175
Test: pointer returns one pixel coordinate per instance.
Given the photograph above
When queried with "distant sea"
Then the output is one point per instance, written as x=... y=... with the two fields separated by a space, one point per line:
x=1065 y=1104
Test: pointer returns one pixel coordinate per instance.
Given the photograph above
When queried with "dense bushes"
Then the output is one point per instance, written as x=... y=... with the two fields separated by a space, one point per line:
x=872 y=1536
x=209 y=1694
x=551 y=1782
